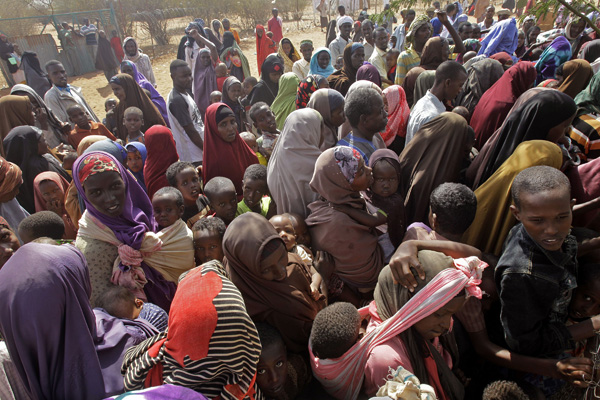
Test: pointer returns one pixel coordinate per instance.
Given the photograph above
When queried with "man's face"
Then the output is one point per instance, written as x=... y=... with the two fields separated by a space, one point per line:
x=57 y=75
x=467 y=32
x=489 y=13
x=182 y=78
x=345 y=30
x=367 y=31
x=130 y=48
x=381 y=40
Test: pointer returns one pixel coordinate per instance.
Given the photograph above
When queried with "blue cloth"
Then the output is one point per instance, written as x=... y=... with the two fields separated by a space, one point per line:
x=553 y=56
x=437 y=26
x=155 y=315
x=131 y=147
x=502 y=37
x=315 y=69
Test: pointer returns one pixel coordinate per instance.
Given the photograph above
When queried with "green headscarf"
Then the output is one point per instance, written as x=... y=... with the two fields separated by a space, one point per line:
x=414 y=27
x=588 y=100
x=285 y=102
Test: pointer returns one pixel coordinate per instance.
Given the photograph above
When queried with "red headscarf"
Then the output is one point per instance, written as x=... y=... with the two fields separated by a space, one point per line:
x=222 y=158
x=263 y=46
x=40 y=203
x=161 y=154
x=398 y=112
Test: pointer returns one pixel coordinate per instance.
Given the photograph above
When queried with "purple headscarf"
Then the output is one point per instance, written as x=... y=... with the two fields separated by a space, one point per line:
x=205 y=82
x=156 y=98
x=48 y=324
x=368 y=72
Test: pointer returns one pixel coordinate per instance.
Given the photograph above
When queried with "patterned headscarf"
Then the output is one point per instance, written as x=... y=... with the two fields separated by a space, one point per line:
x=556 y=54
x=307 y=87
x=96 y=164
x=10 y=176
x=347 y=159
x=414 y=27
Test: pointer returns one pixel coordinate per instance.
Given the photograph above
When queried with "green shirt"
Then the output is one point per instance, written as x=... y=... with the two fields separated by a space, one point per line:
x=265 y=203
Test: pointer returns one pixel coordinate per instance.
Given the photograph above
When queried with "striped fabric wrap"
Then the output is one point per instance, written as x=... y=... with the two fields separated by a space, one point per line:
x=211 y=345
x=342 y=377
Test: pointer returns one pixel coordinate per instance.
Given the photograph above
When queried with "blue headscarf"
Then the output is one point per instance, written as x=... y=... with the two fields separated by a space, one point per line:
x=553 y=56
x=315 y=69
x=503 y=37
x=110 y=147
x=131 y=148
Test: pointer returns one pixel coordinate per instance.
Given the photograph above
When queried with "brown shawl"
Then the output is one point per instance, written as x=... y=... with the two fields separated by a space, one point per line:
x=342 y=80
x=354 y=248
x=14 y=111
x=576 y=76
x=431 y=57
x=287 y=304
x=434 y=156
x=480 y=77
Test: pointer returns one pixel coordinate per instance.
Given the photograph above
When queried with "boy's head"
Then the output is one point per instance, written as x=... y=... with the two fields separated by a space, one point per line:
x=221 y=70
x=40 y=224
x=542 y=203
x=168 y=207
x=215 y=97
x=69 y=160
x=184 y=176
x=463 y=112
x=56 y=73
x=285 y=229
x=133 y=119
x=110 y=104
x=301 y=229
x=449 y=79
x=391 y=58
x=120 y=302
x=339 y=63
x=249 y=84
x=271 y=371
x=270 y=34
x=468 y=55
x=263 y=117
x=254 y=185
x=220 y=192
x=585 y=302
x=78 y=116
x=250 y=140
x=452 y=208
x=306 y=48
x=335 y=330
x=208 y=239
x=504 y=390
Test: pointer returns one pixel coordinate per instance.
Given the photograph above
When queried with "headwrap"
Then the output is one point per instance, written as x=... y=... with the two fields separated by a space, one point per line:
x=111 y=147
x=369 y=72
x=344 y=20
x=10 y=177
x=418 y=22
x=557 y=53
x=140 y=148
x=307 y=87
x=156 y=98
x=325 y=101
x=161 y=153
x=40 y=203
x=504 y=58
x=14 y=111
x=398 y=113
x=288 y=59
x=266 y=90
x=306 y=41
x=263 y=47
x=315 y=68
x=230 y=45
x=431 y=56
x=342 y=80
x=95 y=164
x=205 y=81
x=235 y=105
x=576 y=76
x=285 y=101
x=347 y=159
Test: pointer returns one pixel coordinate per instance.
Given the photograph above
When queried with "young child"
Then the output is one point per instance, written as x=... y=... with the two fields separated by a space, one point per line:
x=222 y=198
x=249 y=84
x=68 y=161
x=222 y=74
x=391 y=58
x=110 y=121
x=339 y=63
x=250 y=140
x=184 y=176
x=256 y=193
x=121 y=303
x=280 y=375
x=452 y=208
x=84 y=126
x=215 y=97
x=302 y=232
x=136 y=158
x=264 y=122
x=463 y=112
x=167 y=204
x=208 y=239
x=133 y=119
x=335 y=330
x=41 y=224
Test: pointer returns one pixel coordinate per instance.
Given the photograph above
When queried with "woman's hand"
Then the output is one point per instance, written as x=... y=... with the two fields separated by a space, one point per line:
x=401 y=263
x=56 y=206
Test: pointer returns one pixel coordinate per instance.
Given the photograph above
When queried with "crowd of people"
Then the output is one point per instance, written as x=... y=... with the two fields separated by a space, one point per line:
x=407 y=212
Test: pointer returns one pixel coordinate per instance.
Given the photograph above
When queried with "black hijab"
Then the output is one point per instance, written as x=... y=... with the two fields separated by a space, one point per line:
x=265 y=90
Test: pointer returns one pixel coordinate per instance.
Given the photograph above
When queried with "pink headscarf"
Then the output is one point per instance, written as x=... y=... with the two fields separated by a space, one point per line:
x=398 y=112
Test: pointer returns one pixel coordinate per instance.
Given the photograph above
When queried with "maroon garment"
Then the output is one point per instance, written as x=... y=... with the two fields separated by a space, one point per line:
x=162 y=152
x=496 y=102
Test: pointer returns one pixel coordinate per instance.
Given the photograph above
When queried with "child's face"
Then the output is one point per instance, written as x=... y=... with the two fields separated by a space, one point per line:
x=585 y=302
x=251 y=142
x=51 y=193
x=272 y=370
x=302 y=233
x=546 y=216
x=68 y=160
x=221 y=70
x=224 y=204
x=133 y=122
x=215 y=98
x=274 y=266
x=228 y=129
x=79 y=118
x=265 y=120
x=188 y=183
x=166 y=210
x=234 y=91
x=247 y=86
x=253 y=191
x=339 y=63
x=390 y=60
x=110 y=105
x=439 y=322
x=284 y=227
x=385 y=179
x=363 y=178
x=134 y=161
x=208 y=245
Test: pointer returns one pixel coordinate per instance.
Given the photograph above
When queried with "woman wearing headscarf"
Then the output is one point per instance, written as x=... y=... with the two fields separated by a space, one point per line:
x=575 y=33
x=14 y=111
x=232 y=91
x=160 y=154
x=398 y=113
x=521 y=46
x=11 y=179
x=330 y=104
x=493 y=107
x=127 y=67
x=285 y=102
x=217 y=28
x=574 y=76
x=503 y=58
x=105 y=58
x=556 y=54
x=233 y=56
x=292 y=163
x=56 y=128
x=320 y=63
x=197 y=350
x=435 y=52
x=49 y=190
x=26 y=147
x=480 y=77
x=369 y=72
x=493 y=220
x=283 y=297
x=264 y=46
x=140 y=59
x=436 y=155
x=307 y=87
x=35 y=76
x=354 y=56
x=268 y=86
x=130 y=94
x=288 y=54
x=225 y=152
x=205 y=77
